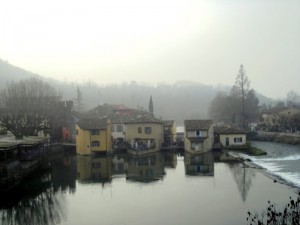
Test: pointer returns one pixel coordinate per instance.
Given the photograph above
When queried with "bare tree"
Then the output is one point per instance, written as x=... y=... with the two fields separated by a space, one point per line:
x=292 y=98
x=28 y=106
x=241 y=89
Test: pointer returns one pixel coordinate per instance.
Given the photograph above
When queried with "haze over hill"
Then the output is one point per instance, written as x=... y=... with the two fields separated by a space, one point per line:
x=180 y=100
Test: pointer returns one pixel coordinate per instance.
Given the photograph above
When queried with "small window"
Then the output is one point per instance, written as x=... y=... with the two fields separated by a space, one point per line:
x=147 y=130
x=77 y=132
x=198 y=133
x=95 y=132
x=139 y=130
x=95 y=143
x=238 y=139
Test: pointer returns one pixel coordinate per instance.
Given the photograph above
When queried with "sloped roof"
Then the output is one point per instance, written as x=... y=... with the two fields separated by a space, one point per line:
x=168 y=123
x=228 y=130
x=93 y=123
x=116 y=113
x=197 y=124
x=275 y=110
x=144 y=119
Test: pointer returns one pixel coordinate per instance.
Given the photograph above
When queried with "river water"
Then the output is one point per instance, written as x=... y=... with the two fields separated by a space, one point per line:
x=169 y=188
x=282 y=161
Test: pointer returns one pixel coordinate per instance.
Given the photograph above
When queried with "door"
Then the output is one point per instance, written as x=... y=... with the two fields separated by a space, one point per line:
x=227 y=141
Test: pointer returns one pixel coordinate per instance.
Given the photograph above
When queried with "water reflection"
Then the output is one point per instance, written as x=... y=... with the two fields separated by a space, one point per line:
x=145 y=168
x=39 y=199
x=200 y=164
x=94 y=169
x=243 y=177
x=170 y=160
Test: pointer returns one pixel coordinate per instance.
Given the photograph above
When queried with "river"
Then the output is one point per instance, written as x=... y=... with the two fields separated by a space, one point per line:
x=282 y=161
x=160 y=188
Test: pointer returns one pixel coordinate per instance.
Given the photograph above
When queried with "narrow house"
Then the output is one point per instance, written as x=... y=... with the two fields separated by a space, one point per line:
x=144 y=132
x=199 y=135
x=93 y=135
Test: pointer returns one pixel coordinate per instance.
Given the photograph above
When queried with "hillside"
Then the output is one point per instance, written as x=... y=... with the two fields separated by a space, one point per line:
x=178 y=101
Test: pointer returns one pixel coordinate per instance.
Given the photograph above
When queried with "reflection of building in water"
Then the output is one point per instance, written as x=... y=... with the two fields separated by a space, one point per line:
x=94 y=168
x=201 y=164
x=145 y=168
x=119 y=165
x=63 y=173
x=243 y=177
x=170 y=160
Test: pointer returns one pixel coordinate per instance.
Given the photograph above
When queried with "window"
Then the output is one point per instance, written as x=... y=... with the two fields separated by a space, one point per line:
x=198 y=133
x=95 y=143
x=77 y=132
x=147 y=130
x=139 y=130
x=238 y=139
x=119 y=128
x=95 y=132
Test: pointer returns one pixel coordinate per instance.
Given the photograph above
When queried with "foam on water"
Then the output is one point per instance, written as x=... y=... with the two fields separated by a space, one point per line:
x=275 y=166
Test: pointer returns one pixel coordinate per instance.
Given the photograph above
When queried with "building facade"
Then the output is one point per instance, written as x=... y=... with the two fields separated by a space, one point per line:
x=93 y=135
x=199 y=135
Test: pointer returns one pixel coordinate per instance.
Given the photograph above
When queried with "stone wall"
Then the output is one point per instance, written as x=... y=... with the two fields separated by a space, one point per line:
x=287 y=138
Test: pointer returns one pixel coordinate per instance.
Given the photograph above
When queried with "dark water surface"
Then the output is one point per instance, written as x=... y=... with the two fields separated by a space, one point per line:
x=153 y=189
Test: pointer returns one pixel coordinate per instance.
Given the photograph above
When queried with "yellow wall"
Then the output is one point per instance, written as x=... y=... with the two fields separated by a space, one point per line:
x=84 y=140
x=91 y=168
x=173 y=131
x=156 y=132
x=231 y=139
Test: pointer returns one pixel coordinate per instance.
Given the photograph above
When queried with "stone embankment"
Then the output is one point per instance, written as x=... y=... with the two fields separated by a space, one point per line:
x=286 y=138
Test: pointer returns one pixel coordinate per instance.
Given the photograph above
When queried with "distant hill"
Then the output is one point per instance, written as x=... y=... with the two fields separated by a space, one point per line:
x=9 y=73
x=178 y=101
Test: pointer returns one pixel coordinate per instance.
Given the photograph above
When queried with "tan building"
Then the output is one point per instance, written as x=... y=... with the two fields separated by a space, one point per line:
x=93 y=135
x=144 y=132
x=230 y=137
x=199 y=135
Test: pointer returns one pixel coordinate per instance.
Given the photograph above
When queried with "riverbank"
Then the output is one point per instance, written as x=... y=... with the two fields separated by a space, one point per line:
x=281 y=163
x=286 y=138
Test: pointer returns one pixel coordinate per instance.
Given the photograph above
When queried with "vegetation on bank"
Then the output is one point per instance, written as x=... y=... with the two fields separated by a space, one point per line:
x=290 y=214
x=255 y=151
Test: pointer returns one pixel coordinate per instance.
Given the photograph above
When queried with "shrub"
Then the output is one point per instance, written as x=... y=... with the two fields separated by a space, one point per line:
x=289 y=215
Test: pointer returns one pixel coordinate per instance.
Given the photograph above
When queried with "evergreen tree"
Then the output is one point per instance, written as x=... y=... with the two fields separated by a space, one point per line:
x=151 y=105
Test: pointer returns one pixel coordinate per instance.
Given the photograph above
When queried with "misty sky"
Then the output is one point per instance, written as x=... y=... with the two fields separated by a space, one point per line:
x=111 y=41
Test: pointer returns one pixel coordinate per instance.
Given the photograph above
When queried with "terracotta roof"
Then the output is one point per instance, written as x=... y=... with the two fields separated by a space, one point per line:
x=144 y=119
x=93 y=123
x=197 y=124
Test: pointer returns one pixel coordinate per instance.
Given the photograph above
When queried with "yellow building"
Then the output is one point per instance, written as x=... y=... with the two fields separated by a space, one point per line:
x=93 y=135
x=199 y=135
x=144 y=132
